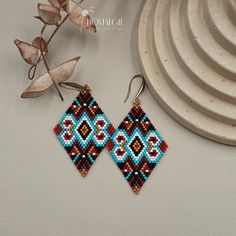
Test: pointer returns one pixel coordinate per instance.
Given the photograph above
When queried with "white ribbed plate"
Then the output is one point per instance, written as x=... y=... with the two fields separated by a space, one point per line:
x=188 y=55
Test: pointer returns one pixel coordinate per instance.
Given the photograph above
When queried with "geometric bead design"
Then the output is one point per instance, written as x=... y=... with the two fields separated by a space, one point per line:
x=84 y=131
x=136 y=147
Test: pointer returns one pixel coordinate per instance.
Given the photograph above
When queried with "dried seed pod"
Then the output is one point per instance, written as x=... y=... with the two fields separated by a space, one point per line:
x=61 y=73
x=29 y=52
x=48 y=14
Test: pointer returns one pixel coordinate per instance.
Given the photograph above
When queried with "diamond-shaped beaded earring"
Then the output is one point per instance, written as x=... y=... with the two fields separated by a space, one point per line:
x=84 y=130
x=136 y=146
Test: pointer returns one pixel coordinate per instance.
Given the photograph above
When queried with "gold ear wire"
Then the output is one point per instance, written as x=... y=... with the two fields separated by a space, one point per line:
x=74 y=86
x=142 y=87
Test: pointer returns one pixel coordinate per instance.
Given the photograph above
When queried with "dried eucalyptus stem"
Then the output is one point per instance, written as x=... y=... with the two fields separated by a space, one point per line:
x=47 y=43
x=33 y=54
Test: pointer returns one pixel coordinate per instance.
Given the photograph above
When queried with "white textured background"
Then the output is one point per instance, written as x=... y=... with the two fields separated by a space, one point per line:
x=191 y=192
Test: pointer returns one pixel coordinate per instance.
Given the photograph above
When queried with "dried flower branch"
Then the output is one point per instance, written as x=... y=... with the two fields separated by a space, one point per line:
x=33 y=54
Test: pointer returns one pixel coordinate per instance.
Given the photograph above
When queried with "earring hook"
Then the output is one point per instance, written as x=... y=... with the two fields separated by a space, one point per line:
x=142 y=87
x=74 y=86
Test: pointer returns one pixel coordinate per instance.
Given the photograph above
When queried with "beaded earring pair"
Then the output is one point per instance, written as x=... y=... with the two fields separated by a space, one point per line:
x=84 y=130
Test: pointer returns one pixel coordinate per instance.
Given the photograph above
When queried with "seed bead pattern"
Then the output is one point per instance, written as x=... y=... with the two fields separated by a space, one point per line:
x=136 y=147
x=84 y=131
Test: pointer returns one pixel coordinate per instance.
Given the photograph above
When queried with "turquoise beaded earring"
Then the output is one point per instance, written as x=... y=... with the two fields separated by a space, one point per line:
x=136 y=146
x=84 y=129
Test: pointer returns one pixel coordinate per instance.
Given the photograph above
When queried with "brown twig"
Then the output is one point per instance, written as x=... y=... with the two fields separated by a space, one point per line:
x=34 y=67
x=46 y=64
x=57 y=28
